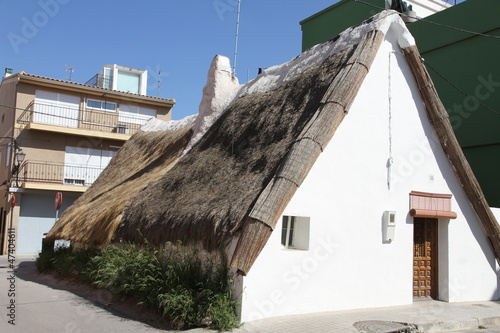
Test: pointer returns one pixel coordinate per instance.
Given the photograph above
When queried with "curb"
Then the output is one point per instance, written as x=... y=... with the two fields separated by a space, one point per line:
x=445 y=326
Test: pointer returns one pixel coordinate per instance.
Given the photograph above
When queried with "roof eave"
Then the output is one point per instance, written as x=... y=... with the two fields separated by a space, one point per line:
x=103 y=92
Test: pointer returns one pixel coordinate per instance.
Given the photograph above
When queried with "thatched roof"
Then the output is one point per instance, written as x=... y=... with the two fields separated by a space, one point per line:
x=212 y=190
x=238 y=178
x=95 y=216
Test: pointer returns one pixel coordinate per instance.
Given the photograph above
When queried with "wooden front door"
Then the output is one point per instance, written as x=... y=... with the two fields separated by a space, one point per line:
x=425 y=258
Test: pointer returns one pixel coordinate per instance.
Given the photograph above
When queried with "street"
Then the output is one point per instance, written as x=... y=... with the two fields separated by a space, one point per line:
x=34 y=303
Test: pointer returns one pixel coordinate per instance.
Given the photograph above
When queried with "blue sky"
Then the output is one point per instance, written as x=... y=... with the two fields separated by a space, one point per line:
x=177 y=37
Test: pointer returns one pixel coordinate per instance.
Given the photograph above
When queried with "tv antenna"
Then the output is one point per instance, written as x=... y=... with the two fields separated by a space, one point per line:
x=69 y=69
x=158 y=83
x=236 y=39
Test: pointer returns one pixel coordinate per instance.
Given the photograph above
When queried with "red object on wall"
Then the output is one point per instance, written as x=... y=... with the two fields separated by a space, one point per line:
x=58 y=202
x=431 y=205
x=13 y=201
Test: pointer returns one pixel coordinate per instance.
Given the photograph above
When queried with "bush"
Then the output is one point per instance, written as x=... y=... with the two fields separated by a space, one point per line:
x=179 y=283
x=65 y=261
x=44 y=261
x=221 y=311
x=129 y=270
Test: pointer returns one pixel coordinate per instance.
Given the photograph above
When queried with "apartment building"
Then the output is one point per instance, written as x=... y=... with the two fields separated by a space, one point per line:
x=55 y=139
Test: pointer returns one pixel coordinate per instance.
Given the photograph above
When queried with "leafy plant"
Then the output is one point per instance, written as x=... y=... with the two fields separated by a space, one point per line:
x=183 y=285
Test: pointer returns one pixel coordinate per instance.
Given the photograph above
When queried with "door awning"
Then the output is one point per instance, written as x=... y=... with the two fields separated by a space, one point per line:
x=431 y=205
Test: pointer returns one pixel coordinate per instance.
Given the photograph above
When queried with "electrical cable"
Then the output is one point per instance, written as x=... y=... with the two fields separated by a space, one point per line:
x=434 y=23
x=458 y=89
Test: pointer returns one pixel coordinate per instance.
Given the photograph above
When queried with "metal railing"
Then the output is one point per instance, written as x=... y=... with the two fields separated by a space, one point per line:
x=101 y=81
x=90 y=119
x=58 y=173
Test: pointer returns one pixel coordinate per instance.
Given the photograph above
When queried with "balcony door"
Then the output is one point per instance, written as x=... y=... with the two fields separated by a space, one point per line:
x=58 y=109
x=82 y=165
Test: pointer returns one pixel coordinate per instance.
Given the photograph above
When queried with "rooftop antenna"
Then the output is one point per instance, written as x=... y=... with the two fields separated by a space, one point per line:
x=69 y=69
x=236 y=39
x=158 y=83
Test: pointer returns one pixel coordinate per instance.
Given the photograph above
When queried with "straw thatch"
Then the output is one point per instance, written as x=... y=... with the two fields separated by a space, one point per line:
x=209 y=193
x=94 y=217
x=238 y=179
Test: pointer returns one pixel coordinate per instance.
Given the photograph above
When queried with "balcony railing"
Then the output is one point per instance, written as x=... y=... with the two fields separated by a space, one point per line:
x=89 y=119
x=101 y=81
x=58 y=173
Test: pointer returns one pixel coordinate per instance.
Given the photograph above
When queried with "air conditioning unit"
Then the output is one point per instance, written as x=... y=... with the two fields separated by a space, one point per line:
x=71 y=181
x=122 y=129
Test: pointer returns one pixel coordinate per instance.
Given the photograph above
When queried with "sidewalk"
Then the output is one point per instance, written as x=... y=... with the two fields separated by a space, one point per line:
x=423 y=316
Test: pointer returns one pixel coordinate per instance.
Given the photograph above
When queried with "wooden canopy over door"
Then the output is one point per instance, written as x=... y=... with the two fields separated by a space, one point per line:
x=425 y=273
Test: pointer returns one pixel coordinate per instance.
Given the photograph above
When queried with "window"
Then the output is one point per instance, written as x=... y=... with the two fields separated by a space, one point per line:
x=83 y=165
x=101 y=105
x=56 y=109
x=295 y=232
x=9 y=149
x=108 y=78
x=135 y=114
x=287 y=231
x=128 y=82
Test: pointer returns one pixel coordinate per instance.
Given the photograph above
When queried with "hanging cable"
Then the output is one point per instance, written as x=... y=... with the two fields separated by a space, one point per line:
x=458 y=89
x=390 y=160
x=434 y=23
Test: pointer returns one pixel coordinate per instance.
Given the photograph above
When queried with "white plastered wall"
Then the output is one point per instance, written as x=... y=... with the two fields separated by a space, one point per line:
x=348 y=265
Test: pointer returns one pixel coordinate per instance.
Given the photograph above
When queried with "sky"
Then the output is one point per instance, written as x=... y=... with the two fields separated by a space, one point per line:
x=175 y=40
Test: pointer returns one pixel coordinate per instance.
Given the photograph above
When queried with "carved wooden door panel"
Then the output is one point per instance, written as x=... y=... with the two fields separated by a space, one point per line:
x=425 y=258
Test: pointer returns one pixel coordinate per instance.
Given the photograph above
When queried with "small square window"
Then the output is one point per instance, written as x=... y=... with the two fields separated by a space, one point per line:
x=93 y=104
x=109 y=106
x=295 y=232
x=101 y=105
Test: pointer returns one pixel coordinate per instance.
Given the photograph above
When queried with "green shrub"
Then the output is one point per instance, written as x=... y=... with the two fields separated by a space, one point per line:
x=65 y=261
x=222 y=312
x=44 y=261
x=127 y=269
x=177 y=282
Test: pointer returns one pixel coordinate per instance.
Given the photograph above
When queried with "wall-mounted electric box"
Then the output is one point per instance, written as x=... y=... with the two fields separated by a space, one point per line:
x=388 y=226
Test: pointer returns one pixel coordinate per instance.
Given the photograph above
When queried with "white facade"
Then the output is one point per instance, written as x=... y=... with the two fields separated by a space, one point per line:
x=347 y=264
x=125 y=79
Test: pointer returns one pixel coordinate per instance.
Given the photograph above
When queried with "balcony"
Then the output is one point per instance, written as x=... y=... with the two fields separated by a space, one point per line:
x=87 y=122
x=47 y=175
x=100 y=81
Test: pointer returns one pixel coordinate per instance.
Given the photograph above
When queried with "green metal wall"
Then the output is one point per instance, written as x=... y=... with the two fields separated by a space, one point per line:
x=469 y=72
x=333 y=20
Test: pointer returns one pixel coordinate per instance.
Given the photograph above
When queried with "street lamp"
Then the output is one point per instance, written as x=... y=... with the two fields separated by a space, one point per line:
x=20 y=155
